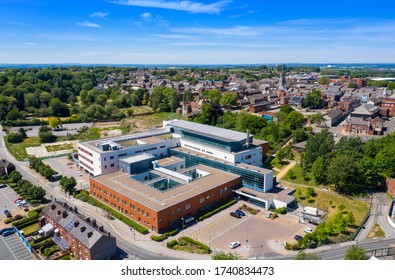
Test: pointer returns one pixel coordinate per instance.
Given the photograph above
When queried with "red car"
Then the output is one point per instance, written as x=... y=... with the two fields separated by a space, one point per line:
x=18 y=199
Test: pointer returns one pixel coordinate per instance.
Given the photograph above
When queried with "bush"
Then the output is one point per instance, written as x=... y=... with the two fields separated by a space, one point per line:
x=67 y=258
x=26 y=224
x=14 y=138
x=17 y=217
x=275 y=215
x=8 y=221
x=32 y=214
x=172 y=233
x=185 y=240
x=159 y=238
x=172 y=243
x=215 y=211
x=281 y=210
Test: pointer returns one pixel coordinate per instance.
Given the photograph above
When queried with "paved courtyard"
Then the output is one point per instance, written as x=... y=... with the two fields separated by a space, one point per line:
x=42 y=151
x=7 y=197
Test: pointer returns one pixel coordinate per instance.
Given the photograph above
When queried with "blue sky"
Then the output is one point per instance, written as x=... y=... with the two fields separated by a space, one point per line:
x=196 y=32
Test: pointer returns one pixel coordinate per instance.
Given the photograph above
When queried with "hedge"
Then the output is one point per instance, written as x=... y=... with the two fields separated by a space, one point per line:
x=194 y=242
x=84 y=196
x=219 y=209
x=28 y=223
x=162 y=237
x=172 y=243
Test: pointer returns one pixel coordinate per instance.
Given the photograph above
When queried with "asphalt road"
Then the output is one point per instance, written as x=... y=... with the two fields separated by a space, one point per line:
x=132 y=251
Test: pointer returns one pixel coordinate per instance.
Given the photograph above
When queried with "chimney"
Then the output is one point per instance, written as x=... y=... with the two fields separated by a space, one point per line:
x=64 y=214
x=94 y=224
x=53 y=206
x=88 y=220
x=109 y=234
x=75 y=209
x=65 y=205
x=90 y=234
x=83 y=229
x=101 y=228
x=76 y=224
x=59 y=212
x=248 y=139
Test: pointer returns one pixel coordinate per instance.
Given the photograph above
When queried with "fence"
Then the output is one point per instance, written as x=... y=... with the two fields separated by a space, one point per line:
x=24 y=240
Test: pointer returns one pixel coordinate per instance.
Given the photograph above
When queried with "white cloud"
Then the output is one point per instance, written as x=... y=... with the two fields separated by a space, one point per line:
x=98 y=15
x=146 y=16
x=230 y=31
x=88 y=24
x=179 y=5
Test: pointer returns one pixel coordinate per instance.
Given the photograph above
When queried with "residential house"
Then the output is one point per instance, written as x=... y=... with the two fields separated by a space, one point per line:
x=6 y=167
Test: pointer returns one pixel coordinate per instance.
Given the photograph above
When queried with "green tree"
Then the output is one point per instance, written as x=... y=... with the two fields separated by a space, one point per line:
x=286 y=109
x=15 y=176
x=299 y=135
x=343 y=173
x=318 y=170
x=58 y=108
x=310 y=192
x=229 y=99
x=324 y=80
x=316 y=118
x=14 y=114
x=68 y=183
x=37 y=193
x=313 y=99
x=295 y=120
x=355 y=253
x=321 y=144
x=54 y=122
x=187 y=96
x=213 y=95
x=302 y=255
x=280 y=155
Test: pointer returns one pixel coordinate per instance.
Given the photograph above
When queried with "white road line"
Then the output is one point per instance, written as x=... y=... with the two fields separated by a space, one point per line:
x=8 y=247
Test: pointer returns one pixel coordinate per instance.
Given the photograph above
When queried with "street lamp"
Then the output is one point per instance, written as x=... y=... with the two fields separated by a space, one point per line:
x=183 y=226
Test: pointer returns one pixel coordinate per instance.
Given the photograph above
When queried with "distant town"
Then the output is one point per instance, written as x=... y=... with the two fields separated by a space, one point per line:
x=246 y=162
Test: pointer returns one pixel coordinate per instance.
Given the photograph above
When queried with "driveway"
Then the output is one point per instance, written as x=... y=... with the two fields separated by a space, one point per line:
x=7 y=197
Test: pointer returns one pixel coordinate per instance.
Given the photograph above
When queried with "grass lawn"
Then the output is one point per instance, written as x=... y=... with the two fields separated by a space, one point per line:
x=18 y=150
x=322 y=201
x=30 y=229
x=141 y=110
x=90 y=134
x=155 y=119
x=60 y=147
x=308 y=180
x=274 y=162
x=376 y=232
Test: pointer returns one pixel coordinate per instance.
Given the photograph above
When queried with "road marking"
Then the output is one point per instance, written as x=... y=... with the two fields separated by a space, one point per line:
x=8 y=247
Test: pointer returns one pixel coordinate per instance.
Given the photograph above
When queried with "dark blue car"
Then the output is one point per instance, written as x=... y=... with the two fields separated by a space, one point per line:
x=8 y=232
x=3 y=230
x=239 y=212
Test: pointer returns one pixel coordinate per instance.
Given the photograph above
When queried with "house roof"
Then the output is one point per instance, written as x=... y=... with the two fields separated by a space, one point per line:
x=85 y=232
x=5 y=163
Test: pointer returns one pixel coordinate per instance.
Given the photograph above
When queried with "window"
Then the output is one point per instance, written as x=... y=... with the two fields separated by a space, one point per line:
x=112 y=165
x=143 y=212
x=138 y=209
x=188 y=206
x=111 y=157
x=105 y=166
x=202 y=200
x=139 y=219
x=148 y=215
x=179 y=209
x=105 y=159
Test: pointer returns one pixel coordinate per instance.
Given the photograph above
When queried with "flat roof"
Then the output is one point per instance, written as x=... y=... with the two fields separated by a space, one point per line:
x=158 y=200
x=240 y=165
x=137 y=158
x=277 y=193
x=212 y=131
x=169 y=160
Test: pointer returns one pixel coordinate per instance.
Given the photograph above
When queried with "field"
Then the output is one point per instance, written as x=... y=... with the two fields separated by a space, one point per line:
x=18 y=150
x=329 y=201
x=60 y=147
x=298 y=178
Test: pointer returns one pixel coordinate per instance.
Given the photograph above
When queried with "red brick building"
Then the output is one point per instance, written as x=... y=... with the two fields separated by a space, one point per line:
x=85 y=239
x=387 y=107
x=160 y=201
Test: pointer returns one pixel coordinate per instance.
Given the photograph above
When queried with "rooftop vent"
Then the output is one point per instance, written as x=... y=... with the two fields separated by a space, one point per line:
x=88 y=219
x=94 y=224
x=90 y=234
x=64 y=214
x=101 y=228
x=76 y=224
x=83 y=229
x=53 y=206
x=59 y=212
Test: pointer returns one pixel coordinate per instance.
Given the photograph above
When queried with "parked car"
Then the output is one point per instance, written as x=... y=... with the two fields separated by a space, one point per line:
x=3 y=186
x=7 y=213
x=8 y=232
x=18 y=199
x=21 y=203
x=308 y=230
x=3 y=230
x=298 y=237
x=239 y=212
x=269 y=215
x=233 y=214
x=79 y=174
x=234 y=244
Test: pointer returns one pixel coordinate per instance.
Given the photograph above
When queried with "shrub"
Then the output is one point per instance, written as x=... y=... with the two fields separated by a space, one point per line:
x=67 y=257
x=275 y=215
x=32 y=214
x=281 y=210
x=159 y=238
x=185 y=240
x=8 y=221
x=26 y=224
x=17 y=217
x=173 y=232
x=215 y=211
x=14 y=137
x=172 y=243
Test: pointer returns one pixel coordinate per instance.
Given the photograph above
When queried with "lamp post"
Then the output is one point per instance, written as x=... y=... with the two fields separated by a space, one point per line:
x=183 y=227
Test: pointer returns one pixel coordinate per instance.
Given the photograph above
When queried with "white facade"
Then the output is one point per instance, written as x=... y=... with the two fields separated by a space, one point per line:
x=97 y=163
x=251 y=156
